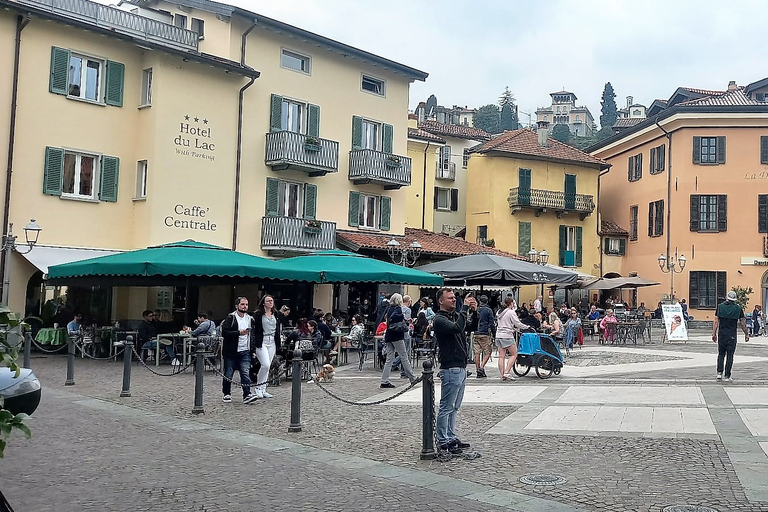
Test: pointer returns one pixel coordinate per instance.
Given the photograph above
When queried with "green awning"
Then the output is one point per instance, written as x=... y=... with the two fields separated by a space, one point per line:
x=179 y=259
x=347 y=267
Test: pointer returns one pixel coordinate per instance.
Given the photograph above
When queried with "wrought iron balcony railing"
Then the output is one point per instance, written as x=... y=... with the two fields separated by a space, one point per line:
x=291 y=234
x=446 y=171
x=369 y=166
x=557 y=201
x=120 y=21
x=290 y=150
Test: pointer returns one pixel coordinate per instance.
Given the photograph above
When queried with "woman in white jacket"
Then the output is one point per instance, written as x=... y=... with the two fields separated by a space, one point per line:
x=508 y=325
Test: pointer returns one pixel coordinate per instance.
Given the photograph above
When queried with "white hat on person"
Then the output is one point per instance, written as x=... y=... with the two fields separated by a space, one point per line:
x=731 y=296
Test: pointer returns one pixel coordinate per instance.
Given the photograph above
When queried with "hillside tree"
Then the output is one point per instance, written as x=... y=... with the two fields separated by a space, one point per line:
x=562 y=133
x=487 y=118
x=608 y=108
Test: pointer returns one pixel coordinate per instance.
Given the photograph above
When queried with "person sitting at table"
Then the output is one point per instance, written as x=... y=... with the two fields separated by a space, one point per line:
x=284 y=312
x=205 y=326
x=571 y=329
x=147 y=334
x=528 y=319
x=594 y=314
x=608 y=333
x=641 y=310
x=316 y=336
x=421 y=326
x=73 y=327
x=356 y=335
x=555 y=326
x=658 y=312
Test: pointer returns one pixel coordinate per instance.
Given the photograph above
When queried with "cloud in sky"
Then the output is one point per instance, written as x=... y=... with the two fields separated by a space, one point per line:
x=472 y=50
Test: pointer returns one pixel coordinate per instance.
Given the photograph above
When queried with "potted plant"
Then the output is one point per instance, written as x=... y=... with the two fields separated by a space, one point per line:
x=311 y=143
x=490 y=242
x=312 y=227
x=392 y=162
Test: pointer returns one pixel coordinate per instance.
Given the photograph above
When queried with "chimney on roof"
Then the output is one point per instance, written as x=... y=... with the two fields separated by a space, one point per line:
x=542 y=129
x=630 y=101
x=732 y=85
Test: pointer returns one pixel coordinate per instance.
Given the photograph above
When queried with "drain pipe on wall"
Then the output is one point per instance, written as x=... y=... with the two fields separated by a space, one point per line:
x=669 y=194
x=424 y=190
x=239 y=157
x=21 y=22
x=600 y=216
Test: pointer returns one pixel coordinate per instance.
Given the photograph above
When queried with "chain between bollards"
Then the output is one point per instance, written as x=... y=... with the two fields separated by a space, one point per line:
x=295 y=425
x=127 y=353
x=27 y=348
x=70 y=362
x=199 y=370
x=428 y=412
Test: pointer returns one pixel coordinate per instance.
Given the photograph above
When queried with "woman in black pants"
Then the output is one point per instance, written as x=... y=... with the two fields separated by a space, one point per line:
x=394 y=341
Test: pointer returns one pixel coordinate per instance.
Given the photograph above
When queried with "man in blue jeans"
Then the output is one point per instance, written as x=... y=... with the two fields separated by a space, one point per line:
x=449 y=326
x=236 y=350
x=727 y=316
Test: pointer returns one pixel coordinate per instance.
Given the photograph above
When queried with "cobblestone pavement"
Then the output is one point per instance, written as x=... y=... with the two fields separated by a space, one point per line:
x=614 y=472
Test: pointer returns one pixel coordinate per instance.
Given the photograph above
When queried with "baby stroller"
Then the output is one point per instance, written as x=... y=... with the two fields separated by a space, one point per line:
x=540 y=351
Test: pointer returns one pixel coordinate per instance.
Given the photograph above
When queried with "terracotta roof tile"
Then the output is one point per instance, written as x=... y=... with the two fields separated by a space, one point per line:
x=526 y=142
x=723 y=99
x=455 y=130
x=431 y=243
x=608 y=227
x=626 y=122
x=415 y=133
x=705 y=92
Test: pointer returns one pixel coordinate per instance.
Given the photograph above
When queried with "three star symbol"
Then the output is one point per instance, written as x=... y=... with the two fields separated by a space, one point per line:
x=196 y=119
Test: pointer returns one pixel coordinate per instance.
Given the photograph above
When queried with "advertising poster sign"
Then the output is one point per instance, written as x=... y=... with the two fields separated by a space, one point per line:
x=674 y=322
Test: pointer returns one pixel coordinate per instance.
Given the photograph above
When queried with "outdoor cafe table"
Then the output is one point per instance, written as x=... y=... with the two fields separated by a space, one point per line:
x=337 y=343
x=52 y=336
x=626 y=331
x=175 y=338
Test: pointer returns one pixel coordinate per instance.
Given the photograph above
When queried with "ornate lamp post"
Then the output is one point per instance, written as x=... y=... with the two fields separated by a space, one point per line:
x=540 y=258
x=405 y=256
x=31 y=233
x=671 y=266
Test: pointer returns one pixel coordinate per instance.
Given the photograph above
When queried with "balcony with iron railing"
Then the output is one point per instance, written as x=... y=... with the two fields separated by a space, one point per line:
x=554 y=200
x=445 y=171
x=369 y=166
x=313 y=155
x=119 y=21
x=281 y=235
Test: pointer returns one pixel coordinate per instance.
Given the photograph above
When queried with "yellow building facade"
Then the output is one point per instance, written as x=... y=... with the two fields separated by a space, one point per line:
x=528 y=193
x=201 y=124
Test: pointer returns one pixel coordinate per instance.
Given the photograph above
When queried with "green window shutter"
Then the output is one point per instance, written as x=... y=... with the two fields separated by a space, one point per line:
x=639 y=166
x=273 y=197
x=435 y=201
x=721 y=150
x=762 y=213
x=357 y=134
x=631 y=168
x=563 y=235
x=622 y=246
x=53 y=173
x=275 y=113
x=722 y=286
x=764 y=150
x=310 y=201
x=693 y=290
x=722 y=212
x=385 y=212
x=697 y=150
x=110 y=171
x=115 y=83
x=695 y=212
x=354 y=208
x=387 y=138
x=606 y=245
x=59 y=70
x=650 y=218
x=661 y=158
x=577 y=256
x=454 y=199
x=660 y=217
x=523 y=238
x=652 y=162
x=313 y=120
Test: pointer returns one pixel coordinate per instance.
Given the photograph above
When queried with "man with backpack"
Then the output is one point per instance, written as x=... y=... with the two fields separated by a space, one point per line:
x=486 y=329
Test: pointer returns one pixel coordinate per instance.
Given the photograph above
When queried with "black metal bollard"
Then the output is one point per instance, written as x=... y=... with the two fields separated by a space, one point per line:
x=295 y=425
x=428 y=414
x=127 y=356
x=70 y=362
x=199 y=369
x=27 y=348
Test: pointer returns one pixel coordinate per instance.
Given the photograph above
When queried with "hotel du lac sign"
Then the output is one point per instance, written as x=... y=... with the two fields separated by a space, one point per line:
x=195 y=138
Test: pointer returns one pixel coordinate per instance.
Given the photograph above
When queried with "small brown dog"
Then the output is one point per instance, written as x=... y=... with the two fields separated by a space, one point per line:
x=326 y=373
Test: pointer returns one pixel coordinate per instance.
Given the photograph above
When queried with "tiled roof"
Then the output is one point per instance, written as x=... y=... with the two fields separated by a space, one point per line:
x=705 y=92
x=723 y=99
x=608 y=227
x=455 y=130
x=526 y=142
x=431 y=243
x=626 y=122
x=415 y=133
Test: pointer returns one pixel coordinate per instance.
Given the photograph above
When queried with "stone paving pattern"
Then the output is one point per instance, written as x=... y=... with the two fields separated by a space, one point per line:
x=96 y=461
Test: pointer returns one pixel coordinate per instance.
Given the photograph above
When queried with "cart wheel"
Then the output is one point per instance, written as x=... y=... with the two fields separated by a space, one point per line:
x=521 y=369
x=545 y=368
x=557 y=371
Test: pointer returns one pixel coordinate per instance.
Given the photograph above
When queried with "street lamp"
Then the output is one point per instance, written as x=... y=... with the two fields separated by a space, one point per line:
x=31 y=234
x=540 y=258
x=672 y=266
x=406 y=256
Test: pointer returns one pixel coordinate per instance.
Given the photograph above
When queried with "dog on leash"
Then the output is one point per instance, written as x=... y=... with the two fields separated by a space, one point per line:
x=326 y=373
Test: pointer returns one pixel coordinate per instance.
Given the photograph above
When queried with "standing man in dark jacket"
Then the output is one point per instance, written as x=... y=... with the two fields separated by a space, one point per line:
x=486 y=328
x=449 y=328
x=727 y=316
x=238 y=330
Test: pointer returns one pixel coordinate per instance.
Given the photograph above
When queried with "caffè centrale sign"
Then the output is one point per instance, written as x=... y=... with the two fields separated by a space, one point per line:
x=753 y=261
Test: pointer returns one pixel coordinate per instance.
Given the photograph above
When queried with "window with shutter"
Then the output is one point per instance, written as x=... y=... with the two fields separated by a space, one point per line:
x=313 y=120
x=697 y=150
x=387 y=138
x=722 y=212
x=638 y=166
x=722 y=287
x=762 y=213
x=764 y=149
x=310 y=201
x=622 y=246
x=357 y=133
x=631 y=168
x=709 y=150
x=693 y=290
x=578 y=251
x=659 y=225
x=110 y=171
x=695 y=212
x=721 y=150
x=633 y=219
x=523 y=238
x=386 y=211
x=275 y=113
x=53 y=171
x=115 y=83
x=354 y=208
x=59 y=70
x=651 y=211
x=273 y=197
x=652 y=162
x=661 y=157
x=454 y=199
x=442 y=199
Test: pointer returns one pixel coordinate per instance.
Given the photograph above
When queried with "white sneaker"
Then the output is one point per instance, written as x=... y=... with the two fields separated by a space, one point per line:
x=267 y=394
x=719 y=376
x=250 y=398
x=176 y=362
x=728 y=379
x=258 y=393
x=227 y=399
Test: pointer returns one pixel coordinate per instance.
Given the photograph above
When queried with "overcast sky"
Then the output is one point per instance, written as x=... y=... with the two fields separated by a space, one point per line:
x=472 y=50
